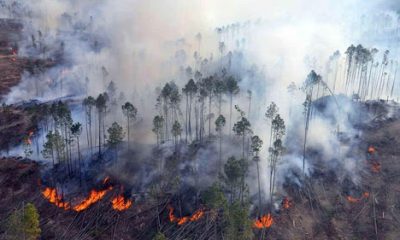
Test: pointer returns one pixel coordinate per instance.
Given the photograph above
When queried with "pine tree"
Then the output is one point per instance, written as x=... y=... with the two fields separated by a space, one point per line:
x=24 y=224
x=115 y=136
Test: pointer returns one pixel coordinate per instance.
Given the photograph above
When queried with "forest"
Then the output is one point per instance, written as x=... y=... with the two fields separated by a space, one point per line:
x=114 y=127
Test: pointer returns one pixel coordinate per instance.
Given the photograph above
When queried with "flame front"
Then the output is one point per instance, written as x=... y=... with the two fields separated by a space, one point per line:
x=265 y=221
x=94 y=197
x=120 y=204
x=53 y=197
x=180 y=221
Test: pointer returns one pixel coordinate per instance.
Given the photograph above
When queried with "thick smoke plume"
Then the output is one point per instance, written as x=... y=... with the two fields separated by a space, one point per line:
x=141 y=45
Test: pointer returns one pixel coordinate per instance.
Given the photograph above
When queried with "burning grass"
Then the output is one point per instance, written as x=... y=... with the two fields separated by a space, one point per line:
x=119 y=203
x=197 y=215
x=351 y=199
x=265 y=221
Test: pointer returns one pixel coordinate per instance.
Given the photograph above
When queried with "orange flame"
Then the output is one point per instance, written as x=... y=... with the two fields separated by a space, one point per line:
x=93 y=197
x=120 y=204
x=352 y=199
x=371 y=150
x=53 y=197
x=356 y=200
x=195 y=216
x=265 y=221
x=286 y=203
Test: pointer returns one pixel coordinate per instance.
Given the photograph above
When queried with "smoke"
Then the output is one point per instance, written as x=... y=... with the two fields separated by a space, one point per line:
x=140 y=45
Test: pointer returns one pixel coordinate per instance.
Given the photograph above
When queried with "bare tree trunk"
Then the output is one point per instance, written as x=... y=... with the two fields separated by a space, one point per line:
x=230 y=116
x=99 y=118
x=259 y=189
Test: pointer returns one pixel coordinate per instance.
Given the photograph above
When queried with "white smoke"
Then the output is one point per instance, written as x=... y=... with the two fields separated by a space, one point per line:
x=136 y=42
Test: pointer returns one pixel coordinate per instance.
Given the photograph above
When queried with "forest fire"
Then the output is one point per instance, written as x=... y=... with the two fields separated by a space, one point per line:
x=371 y=150
x=119 y=203
x=286 y=203
x=93 y=197
x=53 y=197
x=356 y=200
x=182 y=220
x=265 y=221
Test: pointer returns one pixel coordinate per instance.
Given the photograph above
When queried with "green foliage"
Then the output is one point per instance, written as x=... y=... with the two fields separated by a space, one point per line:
x=231 y=86
x=238 y=222
x=129 y=110
x=256 y=144
x=278 y=125
x=220 y=123
x=160 y=236
x=158 y=124
x=233 y=170
x=272 y=110
x=24 y=224
x=242 y=127
x=76 y=129
x=176 y=129
x=54 y=145
x=214 y=197
x=190 y=88
x=116 y=134
x=101 y=101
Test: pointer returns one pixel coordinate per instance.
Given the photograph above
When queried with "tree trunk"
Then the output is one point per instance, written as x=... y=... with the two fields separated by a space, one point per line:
x=99 y=117
x=259 y=189
x=230 y=115
x=220 y=150
x=79 y=161
x=209 y=116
